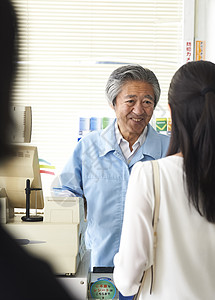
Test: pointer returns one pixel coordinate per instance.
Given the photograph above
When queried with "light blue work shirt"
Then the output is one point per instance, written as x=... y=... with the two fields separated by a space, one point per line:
x=98 y=171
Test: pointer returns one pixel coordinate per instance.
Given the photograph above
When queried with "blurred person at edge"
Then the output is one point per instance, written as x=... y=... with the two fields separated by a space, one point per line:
x=185 y=262
x=100 y=165
x=22 y=277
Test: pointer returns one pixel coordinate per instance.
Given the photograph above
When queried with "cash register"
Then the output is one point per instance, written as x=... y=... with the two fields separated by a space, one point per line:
x=52 y=228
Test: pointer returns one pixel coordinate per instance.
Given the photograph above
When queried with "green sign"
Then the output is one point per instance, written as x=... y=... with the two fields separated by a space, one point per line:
x=161 y=124
x=103 y=289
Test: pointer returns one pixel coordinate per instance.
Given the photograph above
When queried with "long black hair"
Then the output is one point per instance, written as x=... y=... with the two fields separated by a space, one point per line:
x=192 y=101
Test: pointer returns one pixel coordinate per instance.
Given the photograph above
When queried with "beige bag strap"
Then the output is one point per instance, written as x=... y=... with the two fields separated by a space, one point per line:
x=156 y=177
x=155 y=216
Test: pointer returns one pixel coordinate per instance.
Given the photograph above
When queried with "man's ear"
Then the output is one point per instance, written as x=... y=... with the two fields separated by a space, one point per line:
x=112 y=106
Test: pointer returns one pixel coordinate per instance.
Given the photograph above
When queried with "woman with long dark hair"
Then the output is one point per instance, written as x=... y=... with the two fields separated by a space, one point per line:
x=185 y=263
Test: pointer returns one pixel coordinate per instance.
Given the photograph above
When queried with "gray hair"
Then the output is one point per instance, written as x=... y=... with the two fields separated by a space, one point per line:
x=123 y=74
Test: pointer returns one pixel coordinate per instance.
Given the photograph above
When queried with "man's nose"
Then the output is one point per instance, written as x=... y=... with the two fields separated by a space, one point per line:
x=138 y=108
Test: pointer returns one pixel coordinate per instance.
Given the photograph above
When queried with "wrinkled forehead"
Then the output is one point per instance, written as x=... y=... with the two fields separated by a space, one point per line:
x=137 y=88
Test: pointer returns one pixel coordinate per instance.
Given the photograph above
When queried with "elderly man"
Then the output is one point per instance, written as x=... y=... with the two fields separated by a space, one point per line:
x=99 y=168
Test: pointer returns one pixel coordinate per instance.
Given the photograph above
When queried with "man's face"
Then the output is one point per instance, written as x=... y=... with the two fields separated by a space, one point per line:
x=134 y=108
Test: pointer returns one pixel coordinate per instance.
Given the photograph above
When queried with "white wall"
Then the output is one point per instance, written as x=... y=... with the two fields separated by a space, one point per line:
x=210 y=29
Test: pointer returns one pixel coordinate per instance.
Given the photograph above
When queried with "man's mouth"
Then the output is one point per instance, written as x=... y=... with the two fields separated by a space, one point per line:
x=137 y=119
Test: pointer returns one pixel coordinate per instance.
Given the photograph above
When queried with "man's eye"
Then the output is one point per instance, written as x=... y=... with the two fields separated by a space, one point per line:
x=148 y=103
x=130 y=101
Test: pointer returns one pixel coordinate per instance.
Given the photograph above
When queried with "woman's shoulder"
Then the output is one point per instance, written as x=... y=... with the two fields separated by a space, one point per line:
x=165 y=162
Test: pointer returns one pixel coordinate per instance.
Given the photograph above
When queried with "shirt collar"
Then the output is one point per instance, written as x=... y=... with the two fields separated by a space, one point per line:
x=120 y=138
x=152 y=145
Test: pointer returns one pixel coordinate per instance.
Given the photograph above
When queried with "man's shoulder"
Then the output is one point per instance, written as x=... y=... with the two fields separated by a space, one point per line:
x=152 y=133
x=163 y=137
x=90 y=137
x=100 y=136
x=90 y=142
x=156 y=144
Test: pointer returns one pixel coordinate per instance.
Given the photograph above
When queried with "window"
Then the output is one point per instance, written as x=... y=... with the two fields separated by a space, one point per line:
x=68 y=50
